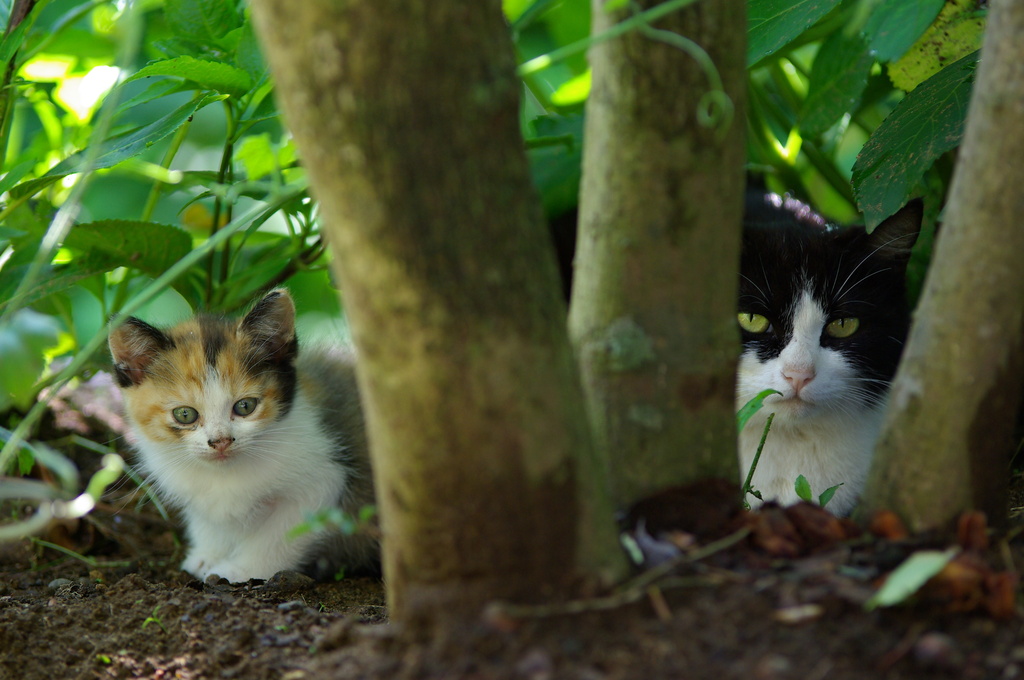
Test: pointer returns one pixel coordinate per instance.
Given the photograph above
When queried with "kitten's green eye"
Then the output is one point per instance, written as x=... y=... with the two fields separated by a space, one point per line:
x=843 y=328
x=244 y=407
x=753 y=323
x=186 y=415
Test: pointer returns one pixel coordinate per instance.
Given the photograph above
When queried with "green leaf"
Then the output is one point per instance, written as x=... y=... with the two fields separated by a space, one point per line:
x=24 y=340
x=956 y=32
x=908 y=578
x=895 y=25
x=926 y=124
x=803 y=488
x=147 y=246
x=208 y=75
x=752 y=407
x=52 y=279
x=555 y=153
x=202 y=20
x=118 y=148
x=248 y=56
x=15 y=175
x=827 y=494
x=838 y=78
x=257 y=156
x=773 y=24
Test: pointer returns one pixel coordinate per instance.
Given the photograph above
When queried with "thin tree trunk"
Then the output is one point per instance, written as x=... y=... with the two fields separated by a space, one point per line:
x=946 y=442
x=653 y=314
x=406 y=116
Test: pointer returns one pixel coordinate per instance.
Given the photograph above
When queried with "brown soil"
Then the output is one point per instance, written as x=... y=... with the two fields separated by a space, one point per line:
x=125 y=611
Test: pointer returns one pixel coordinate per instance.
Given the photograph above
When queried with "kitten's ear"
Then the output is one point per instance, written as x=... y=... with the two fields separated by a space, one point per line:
x=271 y=324
x=133 y=346
x=895 y=236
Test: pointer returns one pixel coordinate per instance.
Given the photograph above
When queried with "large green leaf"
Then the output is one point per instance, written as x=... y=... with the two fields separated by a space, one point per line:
x=52 y=279
x=838 y=78
x=555 y=151
x=895 y=25
x=926 y=124
x=208 y=75
x=908 y=578
x=23 y=342
x=202 y=20
x=773 y=24
x=147 y=246
x=955 y=33
x=118 y=148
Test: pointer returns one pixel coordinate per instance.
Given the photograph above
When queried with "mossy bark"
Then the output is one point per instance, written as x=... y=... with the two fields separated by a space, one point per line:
x=654 y=299
x=406 y=117
x=947 y=439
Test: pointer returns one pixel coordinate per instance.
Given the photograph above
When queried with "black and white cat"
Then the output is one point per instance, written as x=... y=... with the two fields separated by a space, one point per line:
x=823 y=316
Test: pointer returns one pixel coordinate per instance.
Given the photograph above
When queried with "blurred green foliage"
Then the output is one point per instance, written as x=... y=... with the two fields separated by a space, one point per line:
x=146 y=170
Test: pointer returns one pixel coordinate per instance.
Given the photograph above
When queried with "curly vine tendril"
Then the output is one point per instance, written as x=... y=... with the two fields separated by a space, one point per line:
x=715 y=108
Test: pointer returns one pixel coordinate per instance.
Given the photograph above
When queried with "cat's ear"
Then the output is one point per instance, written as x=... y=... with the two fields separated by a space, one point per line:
x=134 y=345
x=895 y=236
x=271 y=324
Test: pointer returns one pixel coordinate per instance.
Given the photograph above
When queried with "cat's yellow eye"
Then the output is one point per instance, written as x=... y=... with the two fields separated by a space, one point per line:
x=186 y=415
x=244 y=407
x=843 y=328
x=753 y=323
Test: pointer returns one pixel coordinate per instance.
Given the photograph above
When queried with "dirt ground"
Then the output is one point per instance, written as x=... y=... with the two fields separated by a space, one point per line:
x=776 y=604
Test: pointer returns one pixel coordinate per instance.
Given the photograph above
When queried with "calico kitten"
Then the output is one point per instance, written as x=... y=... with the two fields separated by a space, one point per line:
x=823 y=317
x=248 y=436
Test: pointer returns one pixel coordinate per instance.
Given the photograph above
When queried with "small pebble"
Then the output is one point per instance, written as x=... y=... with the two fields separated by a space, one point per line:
x=935 y=650
x=291 y=606
x=59 y=583
x=289 y=581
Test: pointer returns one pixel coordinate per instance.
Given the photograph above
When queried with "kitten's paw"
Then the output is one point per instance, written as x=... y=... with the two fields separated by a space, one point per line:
x=233 y=572
x=196 y=565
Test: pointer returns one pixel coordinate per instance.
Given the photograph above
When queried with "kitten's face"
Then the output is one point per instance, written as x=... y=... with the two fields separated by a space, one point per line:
x=822 y=312
x=208 y=388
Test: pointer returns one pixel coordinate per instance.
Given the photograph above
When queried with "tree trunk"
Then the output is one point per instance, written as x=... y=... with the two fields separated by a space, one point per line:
x=947 y=439
x=406 y=116
x=653 y=314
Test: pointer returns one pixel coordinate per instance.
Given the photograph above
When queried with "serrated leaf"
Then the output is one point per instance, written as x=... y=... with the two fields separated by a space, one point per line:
x=773 y=24
x=908 y=578
x=153 y=90
x=150 y=247
x=208 y=75
x=248 y=55
x=926 y=124
x=956 y=32
x=118 y=148
x=203 y=20
x=838 y=78
x=751 y=407
x=895 y=25
x=802 y=488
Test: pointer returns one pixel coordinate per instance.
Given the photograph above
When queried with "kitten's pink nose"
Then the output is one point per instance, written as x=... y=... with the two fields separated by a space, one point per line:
x=798 y=377
x=221 y=443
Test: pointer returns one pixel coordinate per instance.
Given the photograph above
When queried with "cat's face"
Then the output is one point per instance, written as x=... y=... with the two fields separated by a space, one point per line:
x=822 y=311
x=207 y=389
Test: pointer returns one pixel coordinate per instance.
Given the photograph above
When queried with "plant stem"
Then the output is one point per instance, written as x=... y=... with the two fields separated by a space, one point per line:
x=634 y=22
x=757 y=456
x=165 y=162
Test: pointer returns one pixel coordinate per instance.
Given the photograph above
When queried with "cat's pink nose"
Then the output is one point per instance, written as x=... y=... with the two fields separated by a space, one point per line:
x=798 y=377
x=221 y=443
